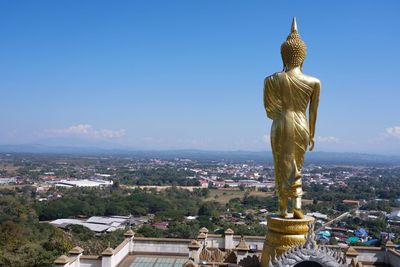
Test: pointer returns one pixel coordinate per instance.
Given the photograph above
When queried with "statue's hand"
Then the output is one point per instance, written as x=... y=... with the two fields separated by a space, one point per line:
x=311 y=144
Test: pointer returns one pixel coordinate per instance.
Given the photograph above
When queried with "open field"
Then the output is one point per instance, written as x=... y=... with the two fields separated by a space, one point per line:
x=12 y=186
x=8 y=168
x=224 y=195
x=159 y=188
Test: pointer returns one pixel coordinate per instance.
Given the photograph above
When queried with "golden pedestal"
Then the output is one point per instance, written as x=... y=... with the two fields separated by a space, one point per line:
x=282 y=234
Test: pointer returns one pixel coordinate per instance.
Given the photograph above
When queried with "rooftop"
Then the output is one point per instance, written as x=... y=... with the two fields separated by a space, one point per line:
x=63 y=223
x=106 y=220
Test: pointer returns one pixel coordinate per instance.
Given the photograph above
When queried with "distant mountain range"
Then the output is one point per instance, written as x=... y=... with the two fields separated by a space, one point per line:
x=261 y=156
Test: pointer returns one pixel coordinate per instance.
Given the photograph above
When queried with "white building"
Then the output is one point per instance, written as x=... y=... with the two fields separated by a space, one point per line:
x=98 y=228
x=83 y=183
x=318 y=215
x=395 y=215
x=96 y=223
x=8 y=180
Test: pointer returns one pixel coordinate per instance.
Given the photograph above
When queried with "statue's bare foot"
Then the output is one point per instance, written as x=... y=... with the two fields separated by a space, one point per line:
x=284 y=214
x=298 y=214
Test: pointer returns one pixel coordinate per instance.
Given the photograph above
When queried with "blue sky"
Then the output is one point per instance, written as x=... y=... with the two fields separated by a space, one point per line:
x=189 y=74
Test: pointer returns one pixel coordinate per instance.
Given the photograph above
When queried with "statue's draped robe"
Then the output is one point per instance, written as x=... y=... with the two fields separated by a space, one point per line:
x=286 y=99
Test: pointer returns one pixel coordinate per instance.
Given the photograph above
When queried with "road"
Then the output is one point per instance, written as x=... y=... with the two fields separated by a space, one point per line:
x=338 y=218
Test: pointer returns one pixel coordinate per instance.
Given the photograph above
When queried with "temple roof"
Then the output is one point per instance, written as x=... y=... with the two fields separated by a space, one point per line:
x=108 y=252
x=203 y=230
x=229 y=231
x=76 y=250
x=129 y=233
x=242 y=246
x=63 y=259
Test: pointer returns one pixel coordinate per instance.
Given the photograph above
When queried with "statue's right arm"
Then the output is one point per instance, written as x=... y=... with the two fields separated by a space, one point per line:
x=313 y=110
x=266 y=97
x=270 y=104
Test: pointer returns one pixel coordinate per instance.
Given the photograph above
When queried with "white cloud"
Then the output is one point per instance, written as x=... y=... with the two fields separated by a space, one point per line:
x=328 y=139
x=393 y=131
x=86 y=131
x=111 y=134
x=266 y=138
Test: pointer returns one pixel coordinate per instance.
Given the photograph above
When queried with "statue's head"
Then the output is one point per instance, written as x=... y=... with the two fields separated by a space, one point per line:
x=293 y=50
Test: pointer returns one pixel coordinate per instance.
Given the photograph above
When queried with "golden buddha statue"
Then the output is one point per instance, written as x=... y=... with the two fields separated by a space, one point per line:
x=287 y=95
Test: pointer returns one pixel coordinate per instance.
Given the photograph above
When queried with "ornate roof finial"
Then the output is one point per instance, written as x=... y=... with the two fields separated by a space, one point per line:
x=294 y=25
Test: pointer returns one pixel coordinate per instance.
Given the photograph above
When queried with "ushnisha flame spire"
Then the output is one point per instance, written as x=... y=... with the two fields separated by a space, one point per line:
x=293 y=50
x=294 y=25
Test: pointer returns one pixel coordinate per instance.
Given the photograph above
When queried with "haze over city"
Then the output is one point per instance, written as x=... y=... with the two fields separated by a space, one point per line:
x=189 y=75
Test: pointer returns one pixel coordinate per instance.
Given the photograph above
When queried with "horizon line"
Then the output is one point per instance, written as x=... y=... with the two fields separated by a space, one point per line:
x=130 y=149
